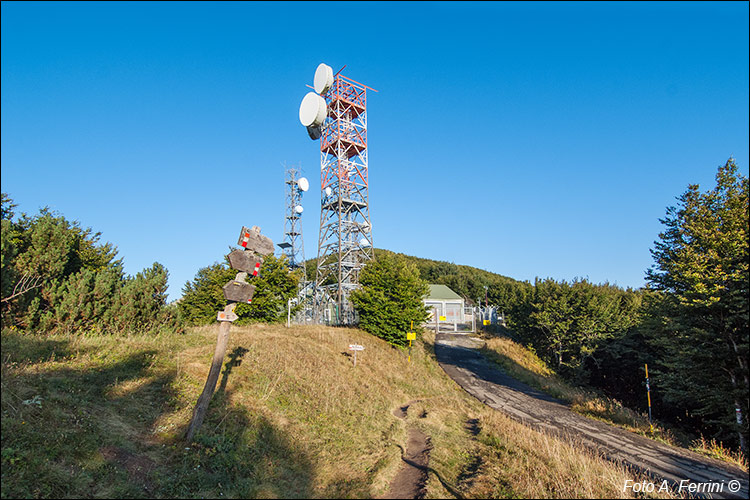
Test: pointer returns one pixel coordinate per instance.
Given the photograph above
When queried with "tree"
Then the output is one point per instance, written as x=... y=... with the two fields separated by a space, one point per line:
x=701 y=312
x=390 y=298
x=59 y=277
x=203 y=297
x=568 y=322
x=274 y=286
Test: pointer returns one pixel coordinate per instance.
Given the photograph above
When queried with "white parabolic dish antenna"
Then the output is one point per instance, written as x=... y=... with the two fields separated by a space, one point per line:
x=303 y=184
x=313 y=110
x=328 y=191
x=323 y=80
x=364 y=243
x=299 y=209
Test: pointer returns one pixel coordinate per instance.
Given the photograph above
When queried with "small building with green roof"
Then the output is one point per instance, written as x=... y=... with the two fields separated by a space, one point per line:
x=446 y=302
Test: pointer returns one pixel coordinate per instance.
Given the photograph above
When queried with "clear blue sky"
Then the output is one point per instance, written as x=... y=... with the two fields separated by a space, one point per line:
x=528 y=139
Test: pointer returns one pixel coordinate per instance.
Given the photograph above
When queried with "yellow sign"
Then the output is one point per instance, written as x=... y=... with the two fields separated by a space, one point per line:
x=486 y=322
x=441 y=318
x=411 y=336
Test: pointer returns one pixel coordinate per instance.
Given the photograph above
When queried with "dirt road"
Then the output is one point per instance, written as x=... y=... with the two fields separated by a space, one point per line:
x=458 y=355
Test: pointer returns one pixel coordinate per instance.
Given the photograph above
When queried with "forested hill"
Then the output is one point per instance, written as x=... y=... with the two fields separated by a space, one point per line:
x=467 y=281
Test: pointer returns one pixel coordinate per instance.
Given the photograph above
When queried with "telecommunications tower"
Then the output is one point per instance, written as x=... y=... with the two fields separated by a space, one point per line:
x=336 y=113
x=293 y=246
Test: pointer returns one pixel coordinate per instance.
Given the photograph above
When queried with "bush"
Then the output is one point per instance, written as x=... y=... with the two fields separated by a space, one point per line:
x=390 y=298
x=82 y=285
x=203 y=297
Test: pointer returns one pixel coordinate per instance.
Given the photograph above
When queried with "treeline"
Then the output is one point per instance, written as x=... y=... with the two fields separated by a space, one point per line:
x=58 y=277
x=203 y=296
x=690 y=324
x=469 y=282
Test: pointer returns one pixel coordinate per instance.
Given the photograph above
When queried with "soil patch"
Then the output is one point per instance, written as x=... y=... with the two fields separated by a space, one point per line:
x=411 y=479
x=138 y=467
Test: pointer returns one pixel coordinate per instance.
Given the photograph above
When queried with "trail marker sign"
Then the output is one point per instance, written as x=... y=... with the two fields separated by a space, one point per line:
x=235 y=291
x=239 y=291
x=253 y=240
x=355 y=348
x=244 y=260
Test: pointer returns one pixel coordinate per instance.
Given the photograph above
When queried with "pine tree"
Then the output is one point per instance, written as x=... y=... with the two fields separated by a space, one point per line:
x=390 y=298
x=701 y=313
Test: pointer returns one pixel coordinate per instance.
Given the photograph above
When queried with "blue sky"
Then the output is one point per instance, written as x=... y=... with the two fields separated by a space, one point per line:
x=528 y=139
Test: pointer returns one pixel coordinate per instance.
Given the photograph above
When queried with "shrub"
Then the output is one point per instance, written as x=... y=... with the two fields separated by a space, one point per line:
x=390 y=298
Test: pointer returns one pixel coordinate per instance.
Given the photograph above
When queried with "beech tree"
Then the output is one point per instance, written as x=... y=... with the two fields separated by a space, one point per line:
x=567 y=322
x=700 y=316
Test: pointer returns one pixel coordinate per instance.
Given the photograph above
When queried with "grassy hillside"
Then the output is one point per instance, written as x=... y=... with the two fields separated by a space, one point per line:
x=102 y=416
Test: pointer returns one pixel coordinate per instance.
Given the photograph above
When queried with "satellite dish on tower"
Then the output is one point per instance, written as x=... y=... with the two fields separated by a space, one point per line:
x=313 y=110
x=299 y=209
x=323 y=80
x=314 y=133
x=364 y=242
x=302 y=184
x=328 y=191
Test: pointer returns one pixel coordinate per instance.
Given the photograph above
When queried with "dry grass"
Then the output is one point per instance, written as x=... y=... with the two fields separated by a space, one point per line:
x=713 y=449
x=292 y=417
x=526 y=366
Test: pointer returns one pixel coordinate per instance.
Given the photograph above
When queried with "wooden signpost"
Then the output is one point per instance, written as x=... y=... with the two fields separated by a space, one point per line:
x=235 y=291
x=355 y=348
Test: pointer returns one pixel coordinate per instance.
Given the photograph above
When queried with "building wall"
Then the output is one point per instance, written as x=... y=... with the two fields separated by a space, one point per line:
x=453 y=310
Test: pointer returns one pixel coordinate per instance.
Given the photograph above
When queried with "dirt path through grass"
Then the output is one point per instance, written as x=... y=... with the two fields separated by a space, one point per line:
x=458 y=355
x=411 y=479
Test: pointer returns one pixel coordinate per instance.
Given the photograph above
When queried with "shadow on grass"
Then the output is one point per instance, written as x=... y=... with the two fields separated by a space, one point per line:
x=235 y=359
x=51 y=448
x=85 y=429
x=21 y=348
x=237 y=453
x=523 y=374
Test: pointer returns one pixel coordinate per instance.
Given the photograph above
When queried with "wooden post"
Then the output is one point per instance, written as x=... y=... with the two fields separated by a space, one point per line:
x=236 y=290
x=213 y=376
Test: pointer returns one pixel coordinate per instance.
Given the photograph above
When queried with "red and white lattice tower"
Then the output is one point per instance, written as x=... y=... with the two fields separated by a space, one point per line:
x=345 y=238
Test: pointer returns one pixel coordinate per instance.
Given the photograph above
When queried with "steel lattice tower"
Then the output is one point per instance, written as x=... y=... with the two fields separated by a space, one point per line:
x=293 y=245
x=345 y=238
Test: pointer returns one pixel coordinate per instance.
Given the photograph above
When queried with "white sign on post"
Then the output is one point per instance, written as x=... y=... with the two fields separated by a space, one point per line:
x=355 y=348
